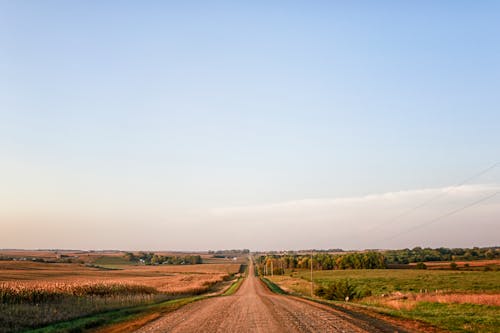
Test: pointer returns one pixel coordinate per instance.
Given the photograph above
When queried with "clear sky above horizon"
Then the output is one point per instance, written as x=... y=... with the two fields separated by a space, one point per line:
x=262 y=125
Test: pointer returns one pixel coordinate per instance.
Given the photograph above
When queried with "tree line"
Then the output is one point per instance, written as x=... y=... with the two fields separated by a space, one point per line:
x=150 y=258
x=418 y=254
x=277 y=264
x=274 y=263
x=232 y=252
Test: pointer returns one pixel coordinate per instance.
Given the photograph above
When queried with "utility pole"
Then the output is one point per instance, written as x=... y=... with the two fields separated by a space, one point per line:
x=312 y=287
x=272 y=272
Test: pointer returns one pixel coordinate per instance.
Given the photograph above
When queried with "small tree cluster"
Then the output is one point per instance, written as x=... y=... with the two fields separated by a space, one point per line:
x=150 y=258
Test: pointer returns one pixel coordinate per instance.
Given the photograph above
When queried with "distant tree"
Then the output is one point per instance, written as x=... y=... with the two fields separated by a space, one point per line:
x=130 y=256
x=156 y=259
x=421 y=265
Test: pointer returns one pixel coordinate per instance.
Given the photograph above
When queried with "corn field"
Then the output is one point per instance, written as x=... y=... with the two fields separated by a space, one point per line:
x=31 y=304
x=38 y=292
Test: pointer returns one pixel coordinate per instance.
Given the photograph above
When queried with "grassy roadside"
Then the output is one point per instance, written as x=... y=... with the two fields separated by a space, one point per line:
x=449 y=316
x=234 y=287
x=273 y=286
x=116 y=316
x=236 y=284
x=445 y=317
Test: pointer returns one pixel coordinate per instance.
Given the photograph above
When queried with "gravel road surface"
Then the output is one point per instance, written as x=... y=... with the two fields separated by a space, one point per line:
x=253 y=308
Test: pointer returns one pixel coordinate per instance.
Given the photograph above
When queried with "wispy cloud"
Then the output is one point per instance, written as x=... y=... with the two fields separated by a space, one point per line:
x=361 y=221
x=384 y=199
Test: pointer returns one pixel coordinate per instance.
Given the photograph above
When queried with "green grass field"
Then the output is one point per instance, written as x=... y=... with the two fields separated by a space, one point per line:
x=455 y=317
x=112 y=262
x=383 y=281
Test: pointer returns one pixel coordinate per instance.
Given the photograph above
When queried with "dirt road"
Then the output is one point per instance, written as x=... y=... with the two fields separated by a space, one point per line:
x=255 y=309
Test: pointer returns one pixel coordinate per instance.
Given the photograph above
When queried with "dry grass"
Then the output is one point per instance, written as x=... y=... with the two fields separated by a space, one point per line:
x=401 y=301
x=291 y=285
x=399 y=304
x=485 y=299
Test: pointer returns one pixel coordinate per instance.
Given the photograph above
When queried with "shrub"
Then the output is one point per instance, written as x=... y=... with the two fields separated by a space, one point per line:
x=421 y=265
x=341 y=290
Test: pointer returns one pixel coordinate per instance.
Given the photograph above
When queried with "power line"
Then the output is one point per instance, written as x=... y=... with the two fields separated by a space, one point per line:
x=434 y=220
x=434 y=198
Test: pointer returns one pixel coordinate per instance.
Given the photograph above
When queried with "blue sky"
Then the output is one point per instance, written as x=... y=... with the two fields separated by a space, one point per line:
x=154 y=115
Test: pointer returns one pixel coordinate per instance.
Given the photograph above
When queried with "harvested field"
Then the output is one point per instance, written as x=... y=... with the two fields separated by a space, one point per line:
x=172 y=280
x=34 y=294
x=26 y=270
x=461 y=264
x=292 y=285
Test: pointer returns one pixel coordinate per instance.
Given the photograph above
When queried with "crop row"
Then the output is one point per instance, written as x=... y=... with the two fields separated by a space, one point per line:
x=16 y=292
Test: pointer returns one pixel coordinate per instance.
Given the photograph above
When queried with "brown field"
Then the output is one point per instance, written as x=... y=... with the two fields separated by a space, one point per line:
x=292 y=285
x=34 y=294
x=460 y=264
x=175 y=279
x=91 y=256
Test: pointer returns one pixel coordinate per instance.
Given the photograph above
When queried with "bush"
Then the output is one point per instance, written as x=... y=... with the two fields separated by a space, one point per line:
x=421 y=265
x=341 y=290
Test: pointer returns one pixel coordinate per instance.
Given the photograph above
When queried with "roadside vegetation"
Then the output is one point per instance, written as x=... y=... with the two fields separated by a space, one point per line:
x=273 y=286
x=110 y=321
x=459 y=301
x=237 y=284
x=234 y=287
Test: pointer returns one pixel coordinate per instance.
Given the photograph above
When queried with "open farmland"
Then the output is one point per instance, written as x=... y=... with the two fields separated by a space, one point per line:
x=59 y=255
x=384 y=281
x=49 y=292
x=460 y=301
